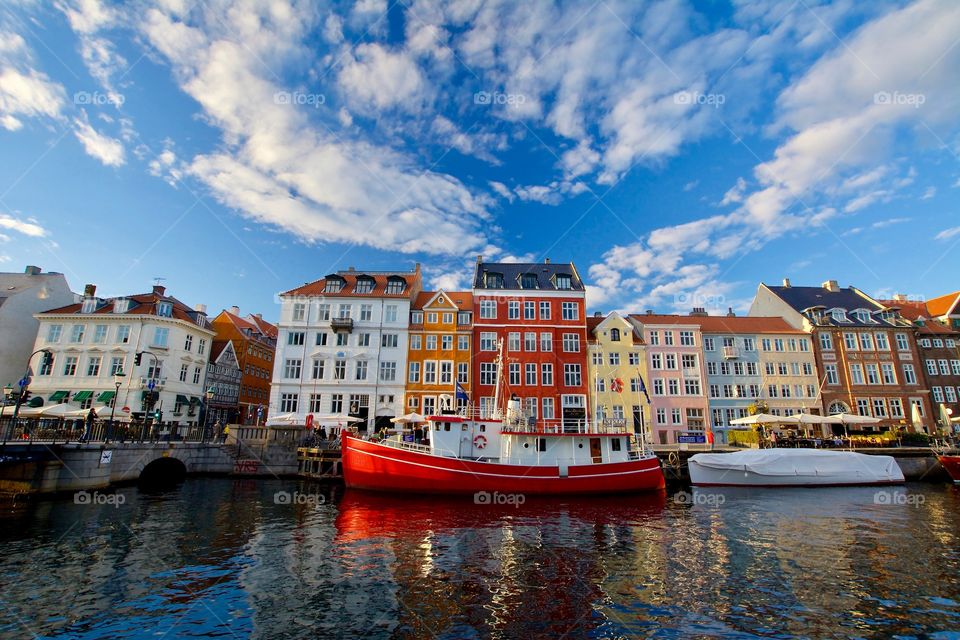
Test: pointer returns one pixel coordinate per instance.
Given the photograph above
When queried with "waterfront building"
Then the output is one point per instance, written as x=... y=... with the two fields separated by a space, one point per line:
x=938 y=343
x=254 y=342
x=615 y=369
x=673 y=348
x=538 y=311
x=222 y=388
x=342 y=346
x=438 y=357
x=867 y=353
x=97 y=338
x=21 y=296
x=756 y=364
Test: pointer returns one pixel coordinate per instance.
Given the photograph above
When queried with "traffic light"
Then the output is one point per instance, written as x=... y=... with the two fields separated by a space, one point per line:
x=157 y=415
x=137 y=358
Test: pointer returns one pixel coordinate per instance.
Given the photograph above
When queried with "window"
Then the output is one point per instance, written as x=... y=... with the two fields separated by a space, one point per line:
x=430 y=372
x=546 y=374
x=850 y=341
x=70 y=366
x=161 y=335
x=529 y=310
x=414 y=372
x=601 y=385
x=873 y=374
x=614 y=359
x=863 y=406
x=916 y=402
x=416 y=317
x=339 y=369
x=514 y=373
x=661 y=416
x=93 y=366
x=944 y=367
x=909 y=375
x=447 y=318
x=291 y=368
x=548 y=409
x=689 y=361
x=883 y=344
x=530 y=374
x=196 y=375
x=388 y=371
x=184 y=372
x=950 y=393
x=463 y=372
x=317 y=371
x=100 y=334
x=765 y=344
x=360 y=371
x=488 y=309
x=668 y=338
x=856 y=374
x=316 y=402
x=656 y=361
x=488 y=373
x=165 y=309
x=289 y=402
x=571 y=375
x=571 y=342
x=673 y=387
x=544 y=310
x=955 y=367
x=390 y=313
x=691 y=387
x=826 y=341
x=123 y=334
x=530 y=341
x=116 y=365
x=633 y=358
x=201 y=346
x=296 y=338
x=395 y=285
x=76 y=333
x=937 y=394
x=866 y=341
x=902 y=344
x=932 y=367
x=415 y=342
x=513 y=310
x=708 y=344
x=675 y=416
x=323 y=312
x=670 y=361
x=343 y=339
x=463 y=317
x=569 y=311
x=299 y=311
x=546 y=341
x=488 y=341
x=686 y=339
x=446 y=372
x=446 y=342
x=896 y=408
x=513 y=341
x=596 y=358
x=654 y=338
x=336 y=403
x=889 y=376
x=390 y=340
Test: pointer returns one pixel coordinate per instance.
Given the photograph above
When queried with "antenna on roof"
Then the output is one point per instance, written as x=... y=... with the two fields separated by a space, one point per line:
x=157 y=280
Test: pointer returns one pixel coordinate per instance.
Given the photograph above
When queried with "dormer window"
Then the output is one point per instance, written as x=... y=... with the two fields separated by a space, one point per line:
x=615 y=335
x=333 y=285
x=492 y=280
x=839 y=315
x=564 y=281
x=396 y=285
x=862 y=315
x=121 y=305
x=164 y=309
x=89 y=305
x=364 y=285
x=528 y=281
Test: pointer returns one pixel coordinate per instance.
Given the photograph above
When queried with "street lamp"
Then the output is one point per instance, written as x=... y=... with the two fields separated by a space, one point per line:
x=206 y=418
x=25 y=381
x=7 y=390
x=117 y=383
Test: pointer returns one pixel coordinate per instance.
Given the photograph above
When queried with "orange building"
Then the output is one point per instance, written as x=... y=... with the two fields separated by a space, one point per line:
x=439 y=351
x=255 y=342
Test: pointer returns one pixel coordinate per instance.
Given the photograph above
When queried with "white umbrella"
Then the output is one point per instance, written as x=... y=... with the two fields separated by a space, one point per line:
x=915 y=417
x=62 y=411
x=283 y=418
x=336 y=418
x=759 y=418
x=100 y=412
x=852 y=418
x=408 y=418
x=25 y=411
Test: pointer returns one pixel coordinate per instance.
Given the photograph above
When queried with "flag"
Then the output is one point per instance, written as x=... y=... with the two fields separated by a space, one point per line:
x=461 y=393
x=643 y=387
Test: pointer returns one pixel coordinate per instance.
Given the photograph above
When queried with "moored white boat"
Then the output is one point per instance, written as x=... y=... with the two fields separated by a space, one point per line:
x=792 y=468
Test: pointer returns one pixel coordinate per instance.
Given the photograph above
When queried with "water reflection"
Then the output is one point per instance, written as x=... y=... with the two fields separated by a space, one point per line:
x=221 y=557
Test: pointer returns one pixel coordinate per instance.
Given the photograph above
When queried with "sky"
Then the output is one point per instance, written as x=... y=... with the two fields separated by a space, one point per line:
x=679 y=153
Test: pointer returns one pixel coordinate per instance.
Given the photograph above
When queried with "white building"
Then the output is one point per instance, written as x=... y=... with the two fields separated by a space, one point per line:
x=96 y=338
x=21 y=296
x=342 y=346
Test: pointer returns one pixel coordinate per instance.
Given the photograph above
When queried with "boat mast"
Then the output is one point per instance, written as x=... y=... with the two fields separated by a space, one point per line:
x=496 y=387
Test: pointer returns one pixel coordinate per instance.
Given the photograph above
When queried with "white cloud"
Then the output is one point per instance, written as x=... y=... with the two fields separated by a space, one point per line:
x=27 y=94
x=946 y=234
x=929 y=193
x=735 y=193
x=690 y=186
x=107 y=150
x=478 y=145
x=551 y=194
x=28 y=227
x=379 y=78
x=502 y=190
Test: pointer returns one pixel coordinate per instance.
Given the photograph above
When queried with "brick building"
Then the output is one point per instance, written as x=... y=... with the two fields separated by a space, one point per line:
x=254 y=342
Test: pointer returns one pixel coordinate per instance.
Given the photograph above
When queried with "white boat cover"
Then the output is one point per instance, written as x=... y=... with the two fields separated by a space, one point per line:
x=793 y=466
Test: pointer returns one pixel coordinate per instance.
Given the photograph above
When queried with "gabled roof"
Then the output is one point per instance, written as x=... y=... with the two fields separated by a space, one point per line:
x=545 y=272
x=664 y=318
x=141 y=304
x=944 y=305
x=411 y=280
x=462 y=300
x=803 y=299
x=223 y=353
x=594 y=322
x=266 y=328
x=724 y=324
x=916 y=311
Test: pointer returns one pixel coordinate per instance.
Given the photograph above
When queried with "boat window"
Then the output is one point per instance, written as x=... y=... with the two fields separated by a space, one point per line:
x=615 y=446
x=483 y=428
x=446 y=426
x=463 y=427
x=542 y=444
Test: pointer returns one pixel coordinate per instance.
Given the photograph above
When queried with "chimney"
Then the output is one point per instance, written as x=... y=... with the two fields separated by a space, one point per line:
x=900 y=297
x=730 y=313
x=89 y=290
x=235 y=310
x=159 y=290
x=698 y=311
x=258 y=316
x=200 y=308
x=598 y=314
x=32 y=270
x=786 y=283
x=649 y=312
x=416 y=267
x=351 y=268
x=546 y=261
x=831 y=285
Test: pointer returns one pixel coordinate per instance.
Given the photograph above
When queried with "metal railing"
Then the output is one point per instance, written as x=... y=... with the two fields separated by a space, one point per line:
x=52 y=432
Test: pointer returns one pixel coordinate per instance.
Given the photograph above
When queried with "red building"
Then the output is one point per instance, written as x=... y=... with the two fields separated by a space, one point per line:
x=538 y=310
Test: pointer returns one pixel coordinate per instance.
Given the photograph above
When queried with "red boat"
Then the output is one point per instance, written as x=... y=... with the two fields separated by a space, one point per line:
x=497 y=459
x=952 y=464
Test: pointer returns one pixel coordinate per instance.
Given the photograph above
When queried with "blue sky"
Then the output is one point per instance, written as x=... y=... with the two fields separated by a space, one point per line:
x=679 y=153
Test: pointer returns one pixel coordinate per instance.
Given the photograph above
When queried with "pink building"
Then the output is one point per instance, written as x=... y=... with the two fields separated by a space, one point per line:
x=673 y=348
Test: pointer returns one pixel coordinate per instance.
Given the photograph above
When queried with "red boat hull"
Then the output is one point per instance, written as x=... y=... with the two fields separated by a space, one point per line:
x=952 y=465
x=377 y=467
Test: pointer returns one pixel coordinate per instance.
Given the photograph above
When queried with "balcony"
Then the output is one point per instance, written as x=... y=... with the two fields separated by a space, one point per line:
x=341 y=325
x=729 y=353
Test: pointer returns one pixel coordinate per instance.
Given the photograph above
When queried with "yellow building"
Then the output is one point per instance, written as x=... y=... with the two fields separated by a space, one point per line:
x=615 y=364
x=438 y=356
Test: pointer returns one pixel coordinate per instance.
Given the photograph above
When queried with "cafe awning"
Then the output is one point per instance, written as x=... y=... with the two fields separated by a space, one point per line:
x=58 y=396
x=106 y=396
x=194 y=400
x=82 y=395
x=182 y=399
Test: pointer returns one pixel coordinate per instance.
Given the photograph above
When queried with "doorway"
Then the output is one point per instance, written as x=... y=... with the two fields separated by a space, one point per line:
x=595 y=450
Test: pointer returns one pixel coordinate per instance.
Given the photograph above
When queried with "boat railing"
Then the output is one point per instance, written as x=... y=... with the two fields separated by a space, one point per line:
x=416 y=446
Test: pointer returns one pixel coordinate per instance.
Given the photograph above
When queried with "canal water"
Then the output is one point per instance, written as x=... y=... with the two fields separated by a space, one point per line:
x=221 y=558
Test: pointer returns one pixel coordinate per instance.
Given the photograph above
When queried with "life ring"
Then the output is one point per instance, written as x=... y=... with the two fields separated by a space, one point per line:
x=480 y=441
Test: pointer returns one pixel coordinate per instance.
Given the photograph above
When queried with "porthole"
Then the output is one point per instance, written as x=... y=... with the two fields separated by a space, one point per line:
x=526 y=445
x=580 y=445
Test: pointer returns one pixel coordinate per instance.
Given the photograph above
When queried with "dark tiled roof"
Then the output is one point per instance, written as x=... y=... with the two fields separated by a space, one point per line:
x=545 y=272
x=350 y=278
x=848 y=299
